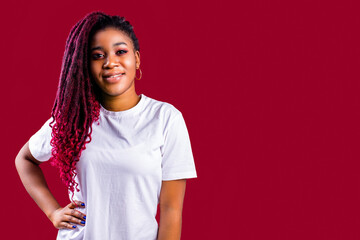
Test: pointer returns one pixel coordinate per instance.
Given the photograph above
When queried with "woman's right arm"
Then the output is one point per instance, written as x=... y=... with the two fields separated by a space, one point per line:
x=34 y=182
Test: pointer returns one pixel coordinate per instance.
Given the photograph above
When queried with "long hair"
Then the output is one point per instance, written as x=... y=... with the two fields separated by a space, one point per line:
x=76 y=106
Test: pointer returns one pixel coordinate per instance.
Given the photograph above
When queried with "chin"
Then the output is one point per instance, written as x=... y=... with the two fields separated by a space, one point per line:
x=114 y=90
x=113 y=93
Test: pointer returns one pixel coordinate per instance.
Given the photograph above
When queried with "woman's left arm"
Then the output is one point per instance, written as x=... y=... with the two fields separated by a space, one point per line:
x=171 y=204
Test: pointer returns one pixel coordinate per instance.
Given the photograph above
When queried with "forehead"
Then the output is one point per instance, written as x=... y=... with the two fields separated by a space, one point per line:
x=109 y=36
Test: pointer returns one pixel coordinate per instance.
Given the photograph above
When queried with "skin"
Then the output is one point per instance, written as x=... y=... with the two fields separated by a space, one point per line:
x=171 y=204
x=114 y=97
x=34 y=182
x=107 y=58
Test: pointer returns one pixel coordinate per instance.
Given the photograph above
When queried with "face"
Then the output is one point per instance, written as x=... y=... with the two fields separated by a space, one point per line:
x=113 y=62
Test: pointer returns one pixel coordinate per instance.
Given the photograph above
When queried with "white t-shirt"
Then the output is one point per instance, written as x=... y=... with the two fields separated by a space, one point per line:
x=121 y=170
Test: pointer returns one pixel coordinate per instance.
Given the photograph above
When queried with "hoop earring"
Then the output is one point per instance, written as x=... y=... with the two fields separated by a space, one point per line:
x=140 y=74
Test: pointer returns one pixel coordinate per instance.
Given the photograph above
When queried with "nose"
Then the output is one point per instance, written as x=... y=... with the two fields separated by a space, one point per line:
x=111 y=61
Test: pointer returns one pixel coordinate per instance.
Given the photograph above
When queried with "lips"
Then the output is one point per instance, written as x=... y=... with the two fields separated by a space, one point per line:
x=113 y=75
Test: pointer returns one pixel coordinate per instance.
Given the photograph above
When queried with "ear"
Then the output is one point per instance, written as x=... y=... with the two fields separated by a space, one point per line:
x=137 y=59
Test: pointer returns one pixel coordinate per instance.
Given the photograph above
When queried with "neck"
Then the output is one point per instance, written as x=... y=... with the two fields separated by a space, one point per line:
x=122 y=102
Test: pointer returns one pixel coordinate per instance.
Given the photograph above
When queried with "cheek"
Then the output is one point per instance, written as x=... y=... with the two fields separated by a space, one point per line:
x=130 y=64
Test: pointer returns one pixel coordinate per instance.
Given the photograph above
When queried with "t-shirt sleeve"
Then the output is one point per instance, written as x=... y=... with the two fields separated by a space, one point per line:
x=177 y=157
x=39 y=143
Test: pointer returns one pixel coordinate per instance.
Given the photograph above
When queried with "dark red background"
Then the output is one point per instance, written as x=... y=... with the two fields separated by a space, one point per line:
x=269 y=91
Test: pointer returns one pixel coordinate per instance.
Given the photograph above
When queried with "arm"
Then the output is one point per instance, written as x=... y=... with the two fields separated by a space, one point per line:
x=171 y=204
x=34 y=182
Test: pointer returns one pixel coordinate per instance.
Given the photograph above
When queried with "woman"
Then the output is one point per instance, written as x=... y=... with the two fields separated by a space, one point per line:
x=123 y=153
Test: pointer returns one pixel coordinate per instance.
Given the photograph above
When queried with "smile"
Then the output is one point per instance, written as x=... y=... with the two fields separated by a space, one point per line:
x=114 y=78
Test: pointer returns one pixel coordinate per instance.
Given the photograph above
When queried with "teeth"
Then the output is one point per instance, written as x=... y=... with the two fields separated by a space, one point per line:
x=115 y=75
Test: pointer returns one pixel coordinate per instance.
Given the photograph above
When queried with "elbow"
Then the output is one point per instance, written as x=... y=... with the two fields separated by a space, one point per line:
x=174 y=212
x=18 y=161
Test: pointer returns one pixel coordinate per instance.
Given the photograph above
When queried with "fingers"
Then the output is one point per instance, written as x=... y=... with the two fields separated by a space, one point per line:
x=74 y=218
x=75 y=213
x=70 y=217
x=76 y=204
x=67 y=225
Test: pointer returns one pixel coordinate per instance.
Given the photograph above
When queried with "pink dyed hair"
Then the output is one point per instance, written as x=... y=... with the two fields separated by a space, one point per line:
x=76 y=106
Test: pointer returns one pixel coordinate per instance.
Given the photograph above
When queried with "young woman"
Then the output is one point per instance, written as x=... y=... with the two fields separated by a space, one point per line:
x=122 y=152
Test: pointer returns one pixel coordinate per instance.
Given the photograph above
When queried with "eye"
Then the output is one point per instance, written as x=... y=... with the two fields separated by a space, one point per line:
x=124 y=51
x=96 y=55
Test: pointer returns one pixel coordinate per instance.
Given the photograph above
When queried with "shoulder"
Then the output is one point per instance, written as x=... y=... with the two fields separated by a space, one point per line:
x=162 y=110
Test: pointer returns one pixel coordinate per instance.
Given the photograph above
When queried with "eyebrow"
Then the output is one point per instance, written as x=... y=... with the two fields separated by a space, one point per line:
x=115 y=44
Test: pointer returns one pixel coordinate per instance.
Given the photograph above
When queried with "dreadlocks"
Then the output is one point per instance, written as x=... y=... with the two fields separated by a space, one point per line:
x=76 y=106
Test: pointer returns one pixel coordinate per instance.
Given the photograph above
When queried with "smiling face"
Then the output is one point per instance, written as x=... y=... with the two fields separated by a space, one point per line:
x=113 y=63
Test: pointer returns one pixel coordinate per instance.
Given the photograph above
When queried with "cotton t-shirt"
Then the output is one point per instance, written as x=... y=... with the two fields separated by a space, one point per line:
x=121 y=170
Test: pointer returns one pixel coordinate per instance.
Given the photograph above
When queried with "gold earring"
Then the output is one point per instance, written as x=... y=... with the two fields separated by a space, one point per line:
x=140 y=74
